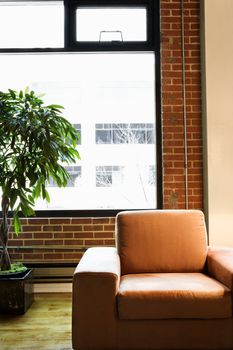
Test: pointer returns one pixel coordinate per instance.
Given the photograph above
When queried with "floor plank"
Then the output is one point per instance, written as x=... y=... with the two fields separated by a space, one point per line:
x=45 y=326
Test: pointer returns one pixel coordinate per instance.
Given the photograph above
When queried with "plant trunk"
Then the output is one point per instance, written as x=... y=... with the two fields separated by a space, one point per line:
x=4 y=235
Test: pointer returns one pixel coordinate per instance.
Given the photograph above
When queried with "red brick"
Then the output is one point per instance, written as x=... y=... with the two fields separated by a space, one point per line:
x=81 y=221
x=83 y=234
x=53 y=256
x=70 y=242
x=44 y=235
x=93 y=242
x=109 y=227
x=23 y=235
x=73 y=256
x=31 y=228
x=54 y=242
x=93 y=228
x=59 y=221
x=63 y=235
x=52 y=228
x=100 y=221
x=110 y=242
x=34 y=256
x=15 y=242
x=72 y=228
x=38 y=221
x=104 y=234
x=32 y=242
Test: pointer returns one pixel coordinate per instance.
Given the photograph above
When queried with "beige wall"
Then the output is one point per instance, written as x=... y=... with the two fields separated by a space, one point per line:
x=217 y=54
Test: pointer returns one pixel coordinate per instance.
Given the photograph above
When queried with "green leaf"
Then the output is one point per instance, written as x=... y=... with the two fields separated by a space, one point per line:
x=26 y=209
x=12 y=93
x=53 y=106
x=13 y=198
x=16 y=223
x=47 y=197
x=43 y=191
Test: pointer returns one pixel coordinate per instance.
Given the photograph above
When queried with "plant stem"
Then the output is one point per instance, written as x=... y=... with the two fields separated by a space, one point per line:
x=4 y=235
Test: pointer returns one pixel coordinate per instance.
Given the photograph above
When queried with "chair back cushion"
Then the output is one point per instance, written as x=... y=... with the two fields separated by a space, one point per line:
x=161 y=241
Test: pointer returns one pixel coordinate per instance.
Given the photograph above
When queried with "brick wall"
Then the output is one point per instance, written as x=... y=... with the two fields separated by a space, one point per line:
x=65 y=239
x=60 y=239
x=172 y=104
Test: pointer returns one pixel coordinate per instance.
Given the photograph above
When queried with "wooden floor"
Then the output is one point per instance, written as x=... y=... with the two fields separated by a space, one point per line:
x=45 y=326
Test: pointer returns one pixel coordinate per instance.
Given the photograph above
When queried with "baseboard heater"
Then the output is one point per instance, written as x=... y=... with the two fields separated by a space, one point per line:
x=52 y=272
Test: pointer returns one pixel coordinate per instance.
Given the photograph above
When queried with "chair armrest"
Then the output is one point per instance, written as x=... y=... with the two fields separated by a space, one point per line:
x=95 y=286
x=220 y=265
x=99 y=260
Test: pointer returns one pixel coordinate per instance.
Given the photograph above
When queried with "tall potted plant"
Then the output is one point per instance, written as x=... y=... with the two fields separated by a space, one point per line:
x=35 y=143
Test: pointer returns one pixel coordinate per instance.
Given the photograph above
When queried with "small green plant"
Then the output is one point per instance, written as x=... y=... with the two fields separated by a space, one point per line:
x=35 y=143
x=15 y=268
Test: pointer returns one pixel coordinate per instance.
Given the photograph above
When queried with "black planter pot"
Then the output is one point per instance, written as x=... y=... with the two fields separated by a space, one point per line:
x=16 y=293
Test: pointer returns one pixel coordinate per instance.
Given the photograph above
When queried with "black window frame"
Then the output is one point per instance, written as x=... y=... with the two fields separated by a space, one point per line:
x=70 y=26
x=152 y=44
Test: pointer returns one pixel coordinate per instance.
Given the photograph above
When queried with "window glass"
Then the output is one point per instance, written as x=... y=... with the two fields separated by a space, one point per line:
x=110 y=98
x=125 y=133
x=31 y=24
x=111 y=24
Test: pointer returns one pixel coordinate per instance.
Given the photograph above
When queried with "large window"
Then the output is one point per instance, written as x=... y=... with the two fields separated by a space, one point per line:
x=108 y=96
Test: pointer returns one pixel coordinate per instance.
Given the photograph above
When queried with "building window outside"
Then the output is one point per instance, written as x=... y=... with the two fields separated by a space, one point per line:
x=110 y=99
x=125 y=133
x=108 y=176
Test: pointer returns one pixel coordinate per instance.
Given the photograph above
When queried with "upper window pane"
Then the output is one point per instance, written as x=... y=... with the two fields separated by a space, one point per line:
x=31 y=24
x=111 y=24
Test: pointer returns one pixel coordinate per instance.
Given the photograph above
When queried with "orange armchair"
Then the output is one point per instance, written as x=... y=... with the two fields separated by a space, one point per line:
x=161 y=288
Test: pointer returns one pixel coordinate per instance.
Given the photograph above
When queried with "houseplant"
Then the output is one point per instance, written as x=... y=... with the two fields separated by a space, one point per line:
x=35 y=143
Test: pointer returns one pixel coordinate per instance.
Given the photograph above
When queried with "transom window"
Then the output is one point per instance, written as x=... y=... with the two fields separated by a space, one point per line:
x=111 y=24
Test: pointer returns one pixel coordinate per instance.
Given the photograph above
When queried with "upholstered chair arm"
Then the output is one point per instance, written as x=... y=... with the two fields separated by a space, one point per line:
x=95 y=286
x=220 y=265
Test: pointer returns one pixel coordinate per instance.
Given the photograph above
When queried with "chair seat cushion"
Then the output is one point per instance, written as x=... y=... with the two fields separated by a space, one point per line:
x=172 y=295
